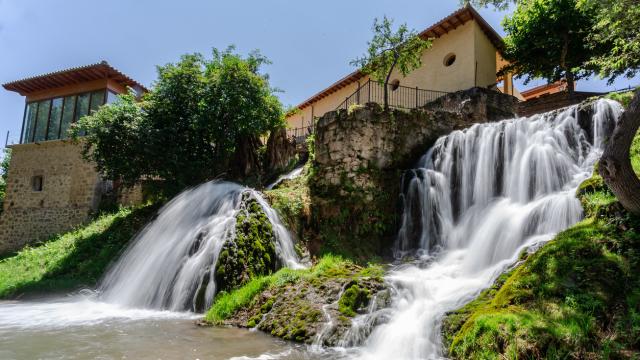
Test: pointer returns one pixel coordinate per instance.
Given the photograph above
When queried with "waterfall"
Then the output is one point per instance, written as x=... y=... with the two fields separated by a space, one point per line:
x=477 y=199
x=173 y=258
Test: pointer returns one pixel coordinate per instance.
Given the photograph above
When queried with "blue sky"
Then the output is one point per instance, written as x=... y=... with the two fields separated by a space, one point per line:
x=309 y=42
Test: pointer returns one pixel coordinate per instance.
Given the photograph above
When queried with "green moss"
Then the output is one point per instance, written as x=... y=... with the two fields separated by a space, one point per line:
x=74 y=259
x=353 y=299
x=251 y=253
x=576 y=297
x=329 y=267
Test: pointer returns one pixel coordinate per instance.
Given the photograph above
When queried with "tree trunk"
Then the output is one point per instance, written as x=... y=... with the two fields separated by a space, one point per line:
x=386 y=82
x=615 y=164
x=571 y=84
x=246 y=159
x=568 y=74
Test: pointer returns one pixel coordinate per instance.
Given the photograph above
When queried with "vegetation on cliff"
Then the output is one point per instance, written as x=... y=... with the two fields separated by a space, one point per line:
x=251 y=253
x=294 y=304
x=75 y=259
x=576 y=297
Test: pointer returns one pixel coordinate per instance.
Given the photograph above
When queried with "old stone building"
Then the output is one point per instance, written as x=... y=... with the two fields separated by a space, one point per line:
x=50 y=187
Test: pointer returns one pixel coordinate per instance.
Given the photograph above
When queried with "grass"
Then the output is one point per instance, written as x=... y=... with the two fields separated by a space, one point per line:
x=74 y=259
x=228 y=303
x=576 y=297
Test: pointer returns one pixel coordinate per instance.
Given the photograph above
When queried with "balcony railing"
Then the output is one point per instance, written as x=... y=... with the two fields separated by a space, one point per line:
x=399 y=97
x=299 y=134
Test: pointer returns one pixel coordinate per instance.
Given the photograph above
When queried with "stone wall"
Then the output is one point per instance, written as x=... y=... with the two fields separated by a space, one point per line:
x=359 y=158
x=349 y=142
x=551 y=102
x=70 y=192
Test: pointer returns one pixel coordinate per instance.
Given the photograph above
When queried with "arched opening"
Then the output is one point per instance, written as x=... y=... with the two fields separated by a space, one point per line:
x=449 y=59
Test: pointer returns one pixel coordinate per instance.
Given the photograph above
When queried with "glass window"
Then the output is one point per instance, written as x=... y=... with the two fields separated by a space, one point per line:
x=82 y=106
x=67 y=115
x=41 y=120
x=111 y=97
x=30 y=119
x=97 y=100
x=54 y=119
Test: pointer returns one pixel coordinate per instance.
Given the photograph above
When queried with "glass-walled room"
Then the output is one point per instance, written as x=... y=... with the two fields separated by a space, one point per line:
x=50 y=119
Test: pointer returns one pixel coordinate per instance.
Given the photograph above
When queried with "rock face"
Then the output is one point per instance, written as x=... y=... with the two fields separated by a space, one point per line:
x=348 y=142
x=251 y=253
x=315 y=309
x=359 y=158
x=281 y=151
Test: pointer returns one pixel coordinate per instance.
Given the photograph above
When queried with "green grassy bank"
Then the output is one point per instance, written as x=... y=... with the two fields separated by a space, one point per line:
x=578 y=297
x=74 y=259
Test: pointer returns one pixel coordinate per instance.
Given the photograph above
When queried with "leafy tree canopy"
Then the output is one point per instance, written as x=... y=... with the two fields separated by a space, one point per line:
x=388 y=50
x=186 y=130
x=616 y=28
x=612 y=40
x=548 y=39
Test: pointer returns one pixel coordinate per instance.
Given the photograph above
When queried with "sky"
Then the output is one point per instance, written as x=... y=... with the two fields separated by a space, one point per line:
x=310 y=43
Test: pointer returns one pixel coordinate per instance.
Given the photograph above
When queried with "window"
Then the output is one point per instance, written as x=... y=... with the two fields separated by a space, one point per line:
x=111 y=97
x=395 y=84
x=37 y=183
x=97 y=100
x=41 y=120
x=54 y=119
x=50 y=119
x=449 y=59
x=29 y=122
x=67 y=115
x=82 y=106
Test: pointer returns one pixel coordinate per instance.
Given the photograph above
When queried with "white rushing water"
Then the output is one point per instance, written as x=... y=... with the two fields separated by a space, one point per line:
x=288 y=176
x=476 y=200
x=170 y=264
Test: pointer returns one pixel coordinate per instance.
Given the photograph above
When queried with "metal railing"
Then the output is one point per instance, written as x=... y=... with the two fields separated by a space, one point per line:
x=299 y=134
x=400 y=97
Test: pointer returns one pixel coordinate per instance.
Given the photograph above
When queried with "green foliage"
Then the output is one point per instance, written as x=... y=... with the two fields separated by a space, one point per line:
x=623 y=98
x=498 y=4
x=251 y=253
x=548 y=39
x=611 y=39
x=4 y=173
x=616 y=28
x=187 y=129
x=576 y=297
x=77 y=258
x=353 y=299
x=389 y=49
x=228 y=303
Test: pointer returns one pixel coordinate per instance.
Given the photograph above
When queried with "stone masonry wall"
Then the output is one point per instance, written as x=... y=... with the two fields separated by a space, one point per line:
x=71 y=190
x=350 y=142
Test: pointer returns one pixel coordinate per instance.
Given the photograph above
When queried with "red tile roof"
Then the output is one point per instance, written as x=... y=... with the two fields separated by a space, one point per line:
x=71 y=76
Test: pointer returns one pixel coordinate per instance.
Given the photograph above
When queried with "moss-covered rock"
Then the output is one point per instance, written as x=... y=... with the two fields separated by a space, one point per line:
x=251 y=253
x=354 y=300
x=297 y=305
x=577 y=297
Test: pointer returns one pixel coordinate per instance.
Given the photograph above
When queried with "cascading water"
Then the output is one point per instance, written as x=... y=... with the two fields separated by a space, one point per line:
x=477 y=199
x=172 y=261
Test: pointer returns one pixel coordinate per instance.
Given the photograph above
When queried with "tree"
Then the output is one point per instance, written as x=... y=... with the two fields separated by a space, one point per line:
x=548 y=39
x=189 y=127
x=4 y=173
x=616 y=28
x=389 y=50
x=615 y=164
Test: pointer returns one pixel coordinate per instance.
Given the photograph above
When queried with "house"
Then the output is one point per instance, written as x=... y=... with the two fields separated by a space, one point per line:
x=465 y=53
x=50 y=188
